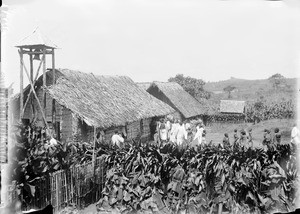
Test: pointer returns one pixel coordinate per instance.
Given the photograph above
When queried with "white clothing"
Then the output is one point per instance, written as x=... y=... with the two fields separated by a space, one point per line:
x=181 y=134
x=163 y=134
x=173 y=132
x=198 y=135
x=187 y=126
x=53 y=142
x=168 y=125
x=117 y=139
x=295 y=135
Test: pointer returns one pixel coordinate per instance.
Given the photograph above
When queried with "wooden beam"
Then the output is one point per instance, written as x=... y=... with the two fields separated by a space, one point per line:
x=21 y=84
x=44 y=81
x=36 y=97
x=53 y=82
x=31 y=67
x=37 y=52
x=94 y=151
x=31 y=78
x=35 y=79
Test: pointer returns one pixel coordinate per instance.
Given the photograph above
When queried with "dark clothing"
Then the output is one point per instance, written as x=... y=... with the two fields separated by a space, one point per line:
x=236 y=137
x=226 y=141
x=250 y=138
x=267 y=139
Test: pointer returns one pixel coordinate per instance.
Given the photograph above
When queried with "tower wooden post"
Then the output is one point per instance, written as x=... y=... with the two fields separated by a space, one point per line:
x=37 y=46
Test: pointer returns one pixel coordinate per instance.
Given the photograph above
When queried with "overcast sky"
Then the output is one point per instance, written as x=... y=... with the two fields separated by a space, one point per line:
x=151 y=40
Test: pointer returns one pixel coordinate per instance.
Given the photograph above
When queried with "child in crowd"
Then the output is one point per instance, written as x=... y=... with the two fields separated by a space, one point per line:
x=226 y=142
x=277 y=136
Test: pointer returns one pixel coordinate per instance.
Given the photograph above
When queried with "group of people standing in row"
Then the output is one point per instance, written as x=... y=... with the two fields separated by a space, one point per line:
x=178 y=132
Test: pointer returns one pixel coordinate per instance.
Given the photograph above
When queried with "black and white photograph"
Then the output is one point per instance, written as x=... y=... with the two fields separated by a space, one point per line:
x=149 y=106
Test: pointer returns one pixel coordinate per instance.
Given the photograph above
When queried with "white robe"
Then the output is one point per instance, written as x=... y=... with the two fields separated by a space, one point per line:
x=173 y=132
x=181 y=135
x=295 y=135
x=198 y=135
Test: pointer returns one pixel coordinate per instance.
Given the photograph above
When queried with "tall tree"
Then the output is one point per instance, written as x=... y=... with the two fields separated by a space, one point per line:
x=277 y=80
x=229 y=89
x=192 y=85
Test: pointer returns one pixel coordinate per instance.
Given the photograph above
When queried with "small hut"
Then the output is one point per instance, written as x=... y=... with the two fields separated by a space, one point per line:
x=232 y=107
x=232 y=110
x=88 y=103
x=174 y=95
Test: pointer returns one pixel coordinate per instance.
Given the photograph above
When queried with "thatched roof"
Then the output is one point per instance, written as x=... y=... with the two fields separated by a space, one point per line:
x=144 y=85
x=181 y=100
x=232 y=106
x=105 y=101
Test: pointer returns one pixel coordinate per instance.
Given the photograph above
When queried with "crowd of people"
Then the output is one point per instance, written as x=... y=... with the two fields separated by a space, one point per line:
x=174 y=131
x=193 y=134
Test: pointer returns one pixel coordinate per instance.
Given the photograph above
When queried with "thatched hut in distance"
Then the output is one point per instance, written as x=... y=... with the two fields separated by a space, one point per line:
x=232 y=107
x=232 y=110
x=88 y=103
x=174 y=95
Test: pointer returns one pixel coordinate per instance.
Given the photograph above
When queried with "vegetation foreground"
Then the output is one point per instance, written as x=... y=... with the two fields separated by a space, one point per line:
x=142 y=178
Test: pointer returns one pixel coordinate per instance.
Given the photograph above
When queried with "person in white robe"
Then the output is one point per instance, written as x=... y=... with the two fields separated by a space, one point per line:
x=181 y=134
x=295 y=135
x=199 y=133
x=168 y=128
x=173 y=131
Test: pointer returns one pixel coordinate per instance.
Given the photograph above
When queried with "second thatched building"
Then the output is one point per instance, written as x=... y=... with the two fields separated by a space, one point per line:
x=171 y=93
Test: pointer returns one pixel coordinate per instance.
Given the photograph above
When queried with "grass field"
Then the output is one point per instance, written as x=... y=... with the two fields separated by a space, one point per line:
x=215 y=132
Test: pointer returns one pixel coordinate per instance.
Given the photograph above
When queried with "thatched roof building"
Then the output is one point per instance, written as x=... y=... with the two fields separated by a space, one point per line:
x=105 y=101
x=87 y=101
x=175 y=96
x=232 y=106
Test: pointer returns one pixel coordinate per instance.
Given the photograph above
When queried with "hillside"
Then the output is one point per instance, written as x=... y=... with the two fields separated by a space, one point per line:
x=251 y=90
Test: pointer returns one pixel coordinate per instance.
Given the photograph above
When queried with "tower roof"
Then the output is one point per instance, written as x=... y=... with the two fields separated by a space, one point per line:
x=36 y=40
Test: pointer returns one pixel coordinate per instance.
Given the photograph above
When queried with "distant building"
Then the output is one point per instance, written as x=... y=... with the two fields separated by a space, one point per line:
x=232 y=107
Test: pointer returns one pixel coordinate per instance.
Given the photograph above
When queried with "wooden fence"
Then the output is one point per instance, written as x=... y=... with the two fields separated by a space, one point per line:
x=80 y=185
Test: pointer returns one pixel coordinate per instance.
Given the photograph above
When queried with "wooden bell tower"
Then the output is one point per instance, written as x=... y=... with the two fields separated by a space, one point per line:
x=37 y=47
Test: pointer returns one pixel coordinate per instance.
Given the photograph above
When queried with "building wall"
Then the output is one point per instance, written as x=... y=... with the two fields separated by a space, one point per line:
x=66 y=125
x=85 y=133
x=33 y=105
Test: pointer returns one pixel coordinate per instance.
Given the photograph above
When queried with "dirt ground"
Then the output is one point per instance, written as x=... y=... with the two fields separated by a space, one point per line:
x=215 y=132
